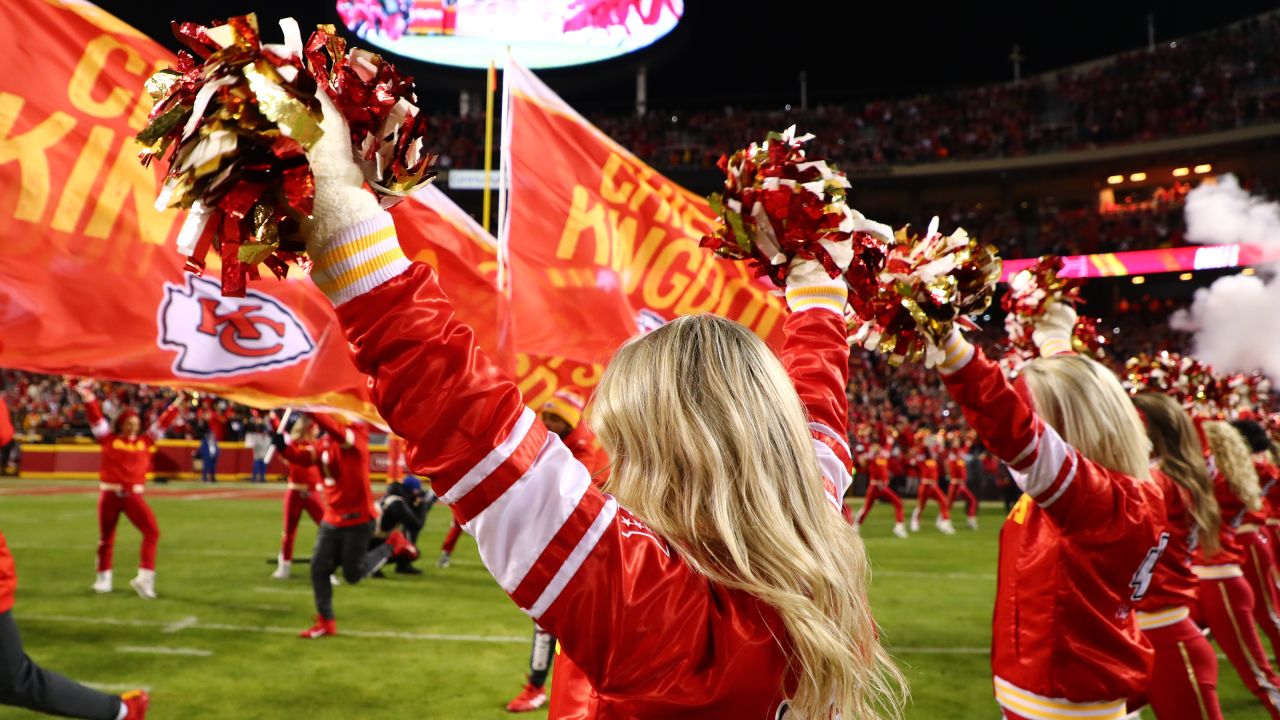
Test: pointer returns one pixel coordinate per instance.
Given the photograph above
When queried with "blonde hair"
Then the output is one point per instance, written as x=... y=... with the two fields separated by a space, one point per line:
x=1085 y=403
x=302 y=428
x=1233 y=459
x=1177 y=448
x=710 y=446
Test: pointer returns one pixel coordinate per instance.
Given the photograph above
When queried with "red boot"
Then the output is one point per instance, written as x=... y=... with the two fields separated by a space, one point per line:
x=530 y=698
x=135 y=701
x=322 y=628
x=401 y=548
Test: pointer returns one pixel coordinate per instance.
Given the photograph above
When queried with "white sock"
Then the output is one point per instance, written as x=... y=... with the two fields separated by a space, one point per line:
x=124 y=711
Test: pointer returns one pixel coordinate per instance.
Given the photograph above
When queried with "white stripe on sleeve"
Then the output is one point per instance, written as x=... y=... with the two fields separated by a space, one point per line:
x=492 y=461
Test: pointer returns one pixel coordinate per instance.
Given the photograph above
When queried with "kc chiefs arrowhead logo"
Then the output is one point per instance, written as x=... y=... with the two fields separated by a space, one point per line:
x=217 y=336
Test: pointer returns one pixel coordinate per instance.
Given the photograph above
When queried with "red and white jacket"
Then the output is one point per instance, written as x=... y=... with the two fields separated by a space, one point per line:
x=647 y=635
x=342 y=454
x=1075 y=556
x=1173 y=584
x=125 y=462
x=8 y=577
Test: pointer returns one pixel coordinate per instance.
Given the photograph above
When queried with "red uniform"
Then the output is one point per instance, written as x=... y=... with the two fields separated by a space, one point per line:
x=878 y=488
x=395 y=458
x=647 y=635
x=1184 y=678
x=122 y=475
x=302 y=495
x=958 y=475
x=1259 y=559
x=928 y=469
x=6 y=425
x=1226 y=602
x=1064 y=641
x=8 y=577
x=344 y=462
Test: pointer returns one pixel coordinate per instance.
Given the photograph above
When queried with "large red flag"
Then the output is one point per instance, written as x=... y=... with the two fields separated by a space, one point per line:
x=599 y=244
x=434 y=230
x=90 y=282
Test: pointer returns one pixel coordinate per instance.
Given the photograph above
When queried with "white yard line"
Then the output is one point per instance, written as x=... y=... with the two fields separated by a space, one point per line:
x=161 y=650
x=939 y=651
x=206 y=552
x=183 y=624
x=115 y=688
x=932 y=575
x=275 y=630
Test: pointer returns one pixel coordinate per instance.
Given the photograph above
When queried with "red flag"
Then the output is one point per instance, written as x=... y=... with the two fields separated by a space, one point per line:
x=90 y=282
x=600 y=245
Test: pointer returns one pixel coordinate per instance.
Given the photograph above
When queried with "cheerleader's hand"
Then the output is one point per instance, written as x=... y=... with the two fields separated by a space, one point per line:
x=809 y=286
x=1052 y=334
x=341 y=200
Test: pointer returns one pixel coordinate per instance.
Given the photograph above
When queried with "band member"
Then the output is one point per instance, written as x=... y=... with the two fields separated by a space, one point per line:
x=125 y=462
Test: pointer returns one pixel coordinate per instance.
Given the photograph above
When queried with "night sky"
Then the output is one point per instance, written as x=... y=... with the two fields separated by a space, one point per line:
x=750 y=52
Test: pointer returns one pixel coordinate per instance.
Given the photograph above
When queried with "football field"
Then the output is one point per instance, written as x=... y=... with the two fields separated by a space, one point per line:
x=220 y=642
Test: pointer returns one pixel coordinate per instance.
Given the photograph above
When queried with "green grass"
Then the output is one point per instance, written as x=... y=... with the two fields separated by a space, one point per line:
x=932 y=595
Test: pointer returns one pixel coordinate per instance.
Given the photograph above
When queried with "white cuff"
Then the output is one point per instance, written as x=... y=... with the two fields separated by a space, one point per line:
x=831 y=296
x=358 y=259
x=958 y=353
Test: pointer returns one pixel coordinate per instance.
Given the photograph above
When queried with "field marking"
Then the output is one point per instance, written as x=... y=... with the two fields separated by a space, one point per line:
x=207 y=552
x=183 y=624
x=281 y=590
x=116 y=688
x=931 y=575
x=276 y=630
x=161 y=650
x=939 y=650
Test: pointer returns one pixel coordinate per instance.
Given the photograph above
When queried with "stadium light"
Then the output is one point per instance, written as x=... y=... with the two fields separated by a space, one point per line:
x=1185 y=276
x=1202 y=169
x=1138 y=177
x=1115 y=179
x=1181 y=172
x=1138 y=279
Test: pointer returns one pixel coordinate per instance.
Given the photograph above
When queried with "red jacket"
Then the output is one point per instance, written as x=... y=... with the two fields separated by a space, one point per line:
x=957 y=471
x=928 y=469
x=6 y=424
x=647 y=635
x=344 y=463
x=125 y=462
x=8 y=577
x=1173 y=585
x=1070 y=552
x=304 y=470
x=878 y=469
x=1227 y=561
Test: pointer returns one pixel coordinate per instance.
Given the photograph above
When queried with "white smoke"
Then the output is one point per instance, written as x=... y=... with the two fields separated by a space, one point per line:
x=1236 y=320
x=1223 y=213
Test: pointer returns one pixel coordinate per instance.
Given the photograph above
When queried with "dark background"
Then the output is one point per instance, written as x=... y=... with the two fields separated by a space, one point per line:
x=750 y=52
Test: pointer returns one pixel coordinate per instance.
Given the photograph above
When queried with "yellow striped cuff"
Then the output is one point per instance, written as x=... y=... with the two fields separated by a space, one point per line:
x=1038 y=707
x=359 y=259
x=1162 y=618
x=828 y=296
x=1056 y=346
x=958 y=353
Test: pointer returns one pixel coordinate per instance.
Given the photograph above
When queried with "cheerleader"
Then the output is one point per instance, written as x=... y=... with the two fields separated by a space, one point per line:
x=878 y=488
x=1226 y=602
x=1184 y=678
x=122 y=474
x=1259 y=551
x=927 y=470
x=719 y=579
x=303 y=494
x=1064 y=642
x=958 y=483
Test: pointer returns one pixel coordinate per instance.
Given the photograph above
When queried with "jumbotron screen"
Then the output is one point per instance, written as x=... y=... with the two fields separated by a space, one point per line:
x=540 y=33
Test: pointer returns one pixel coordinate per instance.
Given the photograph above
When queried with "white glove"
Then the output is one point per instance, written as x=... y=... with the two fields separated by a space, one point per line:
x=341 y=200
x=1053 y=329
x=809 y=286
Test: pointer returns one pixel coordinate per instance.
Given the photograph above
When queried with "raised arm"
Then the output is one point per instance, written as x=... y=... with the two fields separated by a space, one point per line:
x=1054 y=474
x=815 y=352
x=98 y=424
x=166 y=418
x=334 y=429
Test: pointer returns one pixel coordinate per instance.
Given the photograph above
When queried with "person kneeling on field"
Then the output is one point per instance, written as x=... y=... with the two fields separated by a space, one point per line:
x=403 y=508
